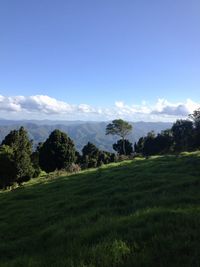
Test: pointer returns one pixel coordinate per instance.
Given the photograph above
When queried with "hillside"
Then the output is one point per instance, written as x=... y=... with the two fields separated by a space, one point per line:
x=81 y=132
x=144 y=212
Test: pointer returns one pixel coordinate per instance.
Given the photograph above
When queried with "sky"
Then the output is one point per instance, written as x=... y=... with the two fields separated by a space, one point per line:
x=99 y=60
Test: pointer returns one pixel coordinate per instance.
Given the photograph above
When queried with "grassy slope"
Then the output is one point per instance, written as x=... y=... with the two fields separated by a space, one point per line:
x=140 y=213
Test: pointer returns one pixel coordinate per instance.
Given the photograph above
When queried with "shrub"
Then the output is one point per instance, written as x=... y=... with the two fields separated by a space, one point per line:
x=73 y=168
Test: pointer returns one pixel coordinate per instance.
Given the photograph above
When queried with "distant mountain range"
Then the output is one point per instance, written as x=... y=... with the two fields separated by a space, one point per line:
x=80 y=131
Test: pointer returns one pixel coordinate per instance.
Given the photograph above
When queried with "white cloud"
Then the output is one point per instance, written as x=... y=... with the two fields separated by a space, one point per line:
x=9 y=104
x=42 y=107
x=119 y=104
x=178 y=109
x=43 y=103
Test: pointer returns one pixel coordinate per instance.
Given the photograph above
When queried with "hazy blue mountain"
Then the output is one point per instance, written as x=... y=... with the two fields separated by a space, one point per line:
x=81 y=132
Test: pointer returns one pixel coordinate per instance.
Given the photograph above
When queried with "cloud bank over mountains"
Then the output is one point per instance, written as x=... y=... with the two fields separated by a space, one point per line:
x=45 y=107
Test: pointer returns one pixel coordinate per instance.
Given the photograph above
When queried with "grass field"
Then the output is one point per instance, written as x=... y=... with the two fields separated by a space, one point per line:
x=144 y=212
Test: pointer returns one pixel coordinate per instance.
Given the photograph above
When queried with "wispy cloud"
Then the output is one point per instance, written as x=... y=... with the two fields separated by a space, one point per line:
x=42 y=106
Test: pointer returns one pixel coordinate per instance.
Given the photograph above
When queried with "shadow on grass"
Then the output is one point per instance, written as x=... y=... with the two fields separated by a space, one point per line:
x=143 y=212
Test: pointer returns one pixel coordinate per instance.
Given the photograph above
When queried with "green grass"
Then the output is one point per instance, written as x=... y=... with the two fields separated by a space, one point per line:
x=144 y=212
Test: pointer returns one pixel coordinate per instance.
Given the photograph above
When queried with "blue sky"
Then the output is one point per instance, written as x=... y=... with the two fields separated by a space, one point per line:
x=100 y=54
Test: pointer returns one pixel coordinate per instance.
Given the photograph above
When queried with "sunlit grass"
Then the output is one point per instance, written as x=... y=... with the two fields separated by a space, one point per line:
x=144 y=212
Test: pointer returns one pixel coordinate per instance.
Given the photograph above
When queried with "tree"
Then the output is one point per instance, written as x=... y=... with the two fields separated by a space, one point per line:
x=153 y=144
x=139 y=146
x=57 y=152
x=90 y=150
x=93 y=157
x=182 y=131
x=196 y=120
x=7 y=167
x=164 y=141
x=90 y=155
x=35 y=163
x=149 y=144
x=120 y=128
x=106 y=157
x=19 y=142
x=119 y=147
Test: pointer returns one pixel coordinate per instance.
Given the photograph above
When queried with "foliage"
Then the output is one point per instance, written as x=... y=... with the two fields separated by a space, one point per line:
x=119 y=147
x=80 y=132
x=196 y=121
x=90 y=150
x=183 y=136
x=196 y=118
x=73 y=168
x=154 y=144
x=90 y=154
x=120 y=128
x=182 y=131
x=7 y=167
x=35 y=163
x=92 y=157
x=21 y=146
x=56 y=152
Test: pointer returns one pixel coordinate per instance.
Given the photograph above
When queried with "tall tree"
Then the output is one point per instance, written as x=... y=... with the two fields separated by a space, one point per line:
x=120 y=128
x=57 y=152
x=7 y=166
x=196 y=117
x=139 y=146
x=149 y=144
x=22 y=149
x=196 y=120
x=182 y=131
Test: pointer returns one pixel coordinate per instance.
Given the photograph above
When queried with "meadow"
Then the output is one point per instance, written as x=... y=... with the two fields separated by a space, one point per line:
x=139 y=213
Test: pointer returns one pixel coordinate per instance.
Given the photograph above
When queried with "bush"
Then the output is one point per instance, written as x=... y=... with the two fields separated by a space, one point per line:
x=124 y=157
x=73 y=168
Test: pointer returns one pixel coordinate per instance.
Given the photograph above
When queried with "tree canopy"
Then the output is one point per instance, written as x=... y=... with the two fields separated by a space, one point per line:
x=118 y=147
x=20 y=150
x=120 y=128
x=56 y=152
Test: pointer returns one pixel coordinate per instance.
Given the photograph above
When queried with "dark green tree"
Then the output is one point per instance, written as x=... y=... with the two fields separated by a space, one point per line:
x=139 y=146
x=149 y=144
x=22 y=149
x=78 y=159
x=57 y=152
x=195 y=116
x=8 y=170
x=119 y=147
x=90 y=155
x=35 y=163
x=106 y=157
x=90 y=150
x=196 y=120
x=164 y=142
x=153 y=144
x=182 y=131
x=120 y=128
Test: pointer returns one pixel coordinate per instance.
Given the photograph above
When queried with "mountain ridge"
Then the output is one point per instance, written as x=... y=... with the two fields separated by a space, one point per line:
x=80 y=131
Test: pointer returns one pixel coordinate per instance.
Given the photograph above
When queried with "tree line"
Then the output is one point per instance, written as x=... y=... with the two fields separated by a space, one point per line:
x=184 y=135
x=19 y=163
